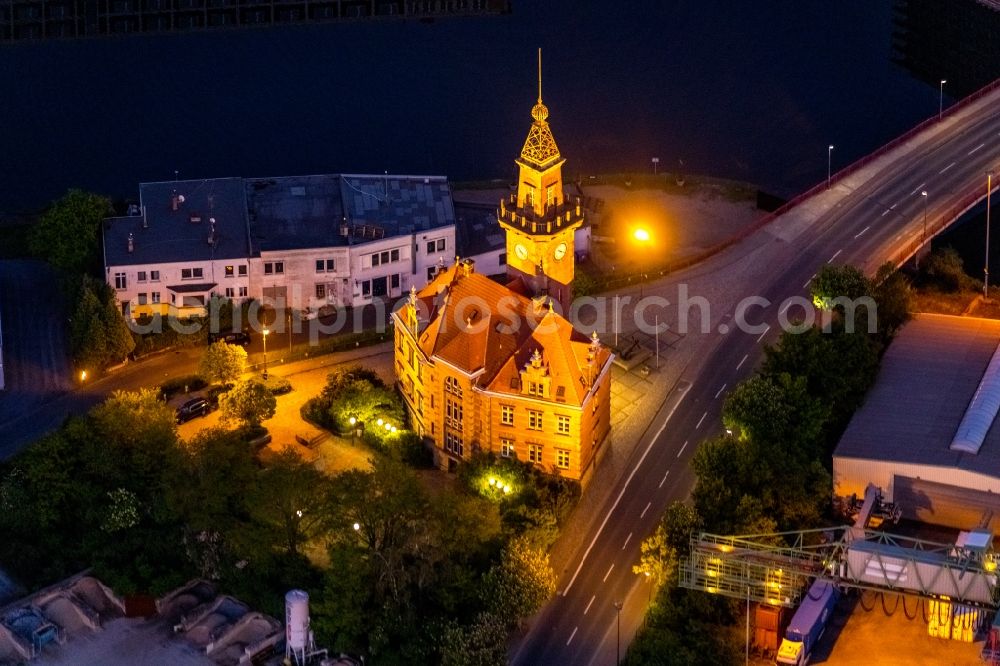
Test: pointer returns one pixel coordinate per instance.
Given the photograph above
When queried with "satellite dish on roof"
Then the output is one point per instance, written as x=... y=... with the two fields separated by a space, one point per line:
x=180 y=198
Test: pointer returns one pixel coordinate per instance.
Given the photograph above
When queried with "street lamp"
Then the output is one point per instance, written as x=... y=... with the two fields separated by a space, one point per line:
x=641 y=235
x=923 y=238
x=941 y=98
x=986 y=269
x=829 y=159
x=618 y=644
x=265 y=351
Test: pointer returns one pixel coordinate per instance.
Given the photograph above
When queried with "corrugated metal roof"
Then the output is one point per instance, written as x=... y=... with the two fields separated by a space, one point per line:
x=927 y=379
x=982 y=410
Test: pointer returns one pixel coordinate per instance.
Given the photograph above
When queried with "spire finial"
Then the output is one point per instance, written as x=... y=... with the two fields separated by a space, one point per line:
x=539 y=112
x=539 y=75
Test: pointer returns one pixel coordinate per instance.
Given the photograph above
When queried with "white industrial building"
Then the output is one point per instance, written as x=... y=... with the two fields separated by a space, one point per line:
x=927 y=434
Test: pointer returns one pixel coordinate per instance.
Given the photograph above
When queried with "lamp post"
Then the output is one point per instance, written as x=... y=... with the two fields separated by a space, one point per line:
x=941 y=98
x=923 y=238
x=618 y=644
x=829 y=161
x=265 y=351
x=986 y=268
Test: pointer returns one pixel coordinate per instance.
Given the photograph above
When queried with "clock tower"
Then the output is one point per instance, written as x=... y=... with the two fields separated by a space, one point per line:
x=539 y=222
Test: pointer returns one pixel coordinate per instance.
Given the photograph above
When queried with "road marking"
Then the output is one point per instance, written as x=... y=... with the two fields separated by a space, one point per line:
x=664 y=479
x=572 y=635
x=835 y=255
x=805 y=285
x=976 y=148
x=862 y=232
x=700 y=420
x=764 y=333
x=643 y=514
x=719 y=392
x=626 y=540
x=948 y=167
x=682 y=450
x=886 y=212
x=622 y=491
x=609 y=572
x=589 y=604
x=742 y=361
x=919 y=187
x=788 y=305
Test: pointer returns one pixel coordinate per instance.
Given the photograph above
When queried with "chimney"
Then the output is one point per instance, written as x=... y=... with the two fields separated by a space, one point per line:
x=145 y=220
x=131 y=243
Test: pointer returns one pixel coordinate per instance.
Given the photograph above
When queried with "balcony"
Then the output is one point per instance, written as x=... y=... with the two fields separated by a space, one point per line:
x=527 y=220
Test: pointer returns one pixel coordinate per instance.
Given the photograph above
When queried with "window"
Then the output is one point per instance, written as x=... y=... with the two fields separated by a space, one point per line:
x=320 y=266
x=141 y=277
x=430 y=247
x=394 y=255
x=506 y=447
x=155 y=296
x=230 y=292
x=550 y=195
x=321 y=291
x=375 y=259
x=279 y=267
x=503 y=259
x=324 y=265
x=120 y=281
x=409 y=354
x=154 y=276
x=535 y=453
x=366 y=288
x=453 y=443
x=452 y=386
x=330 y=265
x=453 y=414
x=440 y=245
x=435 y=245
x=534 y=420
x=384 y=258
x=562 y=458
x=268 y=268
x=562 y=425
x=142 y=298
x=229 y=271
x=191 y=273
x=274 y=268
x=243 y=292
x=431 y=272
x=529 y=197
x=243 y=270
x=506 y=415
x=420 y=403
x=394 y=281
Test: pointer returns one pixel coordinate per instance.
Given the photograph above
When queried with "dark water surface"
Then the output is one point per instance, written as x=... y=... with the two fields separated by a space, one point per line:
x=749 y=90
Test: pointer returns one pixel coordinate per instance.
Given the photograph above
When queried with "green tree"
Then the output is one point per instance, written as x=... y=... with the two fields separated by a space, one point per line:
x=945 y=270
x=892 y=294
x=223 y=363
x=834 y=282
x=68 y=233
x=98 y=335
x=661 y=552
x=289 y=499
x=482 y=643
x=249 y=403
x=520 y=583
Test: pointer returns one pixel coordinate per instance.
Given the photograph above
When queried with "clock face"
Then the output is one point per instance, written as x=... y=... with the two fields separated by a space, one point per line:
x=560 y=251
x=521 y=252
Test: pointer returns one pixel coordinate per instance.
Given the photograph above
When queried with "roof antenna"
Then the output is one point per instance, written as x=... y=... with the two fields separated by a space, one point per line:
x=177 y=172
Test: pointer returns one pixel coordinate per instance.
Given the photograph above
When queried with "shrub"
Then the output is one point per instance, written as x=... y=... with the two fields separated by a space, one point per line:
x=276 y=385
x=172 y=387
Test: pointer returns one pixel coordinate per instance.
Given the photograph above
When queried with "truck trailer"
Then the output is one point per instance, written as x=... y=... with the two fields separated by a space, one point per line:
x=808 y=624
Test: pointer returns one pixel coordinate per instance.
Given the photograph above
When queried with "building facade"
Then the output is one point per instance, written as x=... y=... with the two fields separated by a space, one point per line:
x=489 y=367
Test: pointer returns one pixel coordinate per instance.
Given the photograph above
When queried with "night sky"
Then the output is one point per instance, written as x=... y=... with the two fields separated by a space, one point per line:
x=753 y=91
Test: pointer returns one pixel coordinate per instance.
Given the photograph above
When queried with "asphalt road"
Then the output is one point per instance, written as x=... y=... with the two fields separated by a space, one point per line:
x=865 y=227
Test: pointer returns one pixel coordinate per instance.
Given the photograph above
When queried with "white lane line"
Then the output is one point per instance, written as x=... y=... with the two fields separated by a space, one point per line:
x=947 y=167
x=626 y=540
x=622 y=492
x=788 y=305
x=742 y=361
x=862 y=232
x=664 y=479
x=589 y=604
x=835 y=255
x=893 y=206
x=804 y=285
x=700 y=420
x=719 y=392
x=976 y=148
x=572 y=635
x=643 y=514
x=684 y=446
x=764 y=333
x=609 y=572
x=919 y=187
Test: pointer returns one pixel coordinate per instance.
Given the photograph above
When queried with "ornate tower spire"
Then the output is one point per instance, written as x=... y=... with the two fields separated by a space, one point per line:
x=540 y=149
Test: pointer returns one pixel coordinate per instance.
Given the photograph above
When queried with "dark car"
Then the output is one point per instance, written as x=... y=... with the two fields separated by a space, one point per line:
x=192 y=408
x=231 y=338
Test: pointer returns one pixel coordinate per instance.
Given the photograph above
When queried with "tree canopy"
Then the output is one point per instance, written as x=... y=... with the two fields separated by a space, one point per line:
x=248 y=403
x=223 y=363
x=98 y=334
x=68 y=233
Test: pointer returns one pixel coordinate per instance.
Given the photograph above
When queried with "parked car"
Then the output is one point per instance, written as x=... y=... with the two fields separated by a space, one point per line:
x=192 y=408
x=231 y=338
